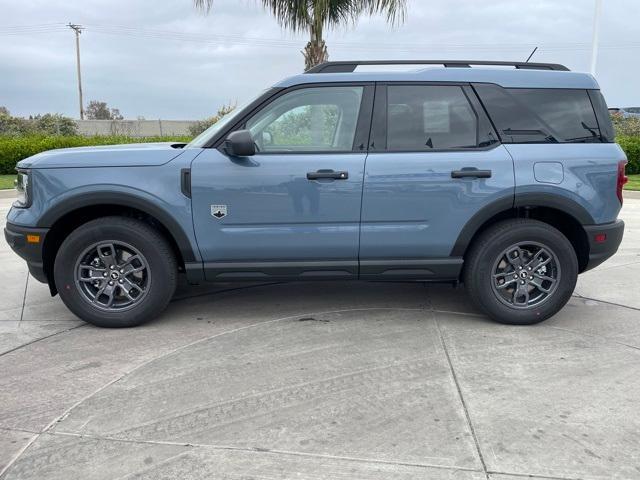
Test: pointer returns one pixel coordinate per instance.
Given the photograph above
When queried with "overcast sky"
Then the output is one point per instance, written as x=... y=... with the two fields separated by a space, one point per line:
x=164 y=59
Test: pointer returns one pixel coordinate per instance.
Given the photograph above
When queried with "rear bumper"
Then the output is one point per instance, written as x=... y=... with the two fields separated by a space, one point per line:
x=31 y=251
x=604 y=241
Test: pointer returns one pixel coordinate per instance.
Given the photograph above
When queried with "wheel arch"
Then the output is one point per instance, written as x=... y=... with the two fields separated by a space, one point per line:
x=77 y=210
x=563 y=214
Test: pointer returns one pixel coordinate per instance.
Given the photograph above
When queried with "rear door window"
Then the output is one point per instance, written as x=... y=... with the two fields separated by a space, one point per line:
x=429 y=117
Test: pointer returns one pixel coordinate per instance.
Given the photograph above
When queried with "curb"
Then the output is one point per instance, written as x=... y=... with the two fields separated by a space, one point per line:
x=631 y=194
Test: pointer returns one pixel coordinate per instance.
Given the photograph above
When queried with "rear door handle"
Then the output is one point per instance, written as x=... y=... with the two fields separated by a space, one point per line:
x=471 y=172
x=327 y=174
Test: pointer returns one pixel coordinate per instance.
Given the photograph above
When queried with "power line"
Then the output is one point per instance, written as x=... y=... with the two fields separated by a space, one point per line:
x=242 y=40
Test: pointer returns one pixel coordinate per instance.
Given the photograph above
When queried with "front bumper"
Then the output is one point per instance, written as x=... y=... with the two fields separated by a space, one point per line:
x=604 y=241
x=22 y=240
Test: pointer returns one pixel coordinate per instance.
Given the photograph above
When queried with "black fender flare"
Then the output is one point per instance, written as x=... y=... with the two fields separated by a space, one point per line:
x=507 y=203
x=123 y=199
x=559 y=202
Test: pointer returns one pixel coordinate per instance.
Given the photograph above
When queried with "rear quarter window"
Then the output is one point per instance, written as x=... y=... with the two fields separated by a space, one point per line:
x=538 y=115
x=603 y=115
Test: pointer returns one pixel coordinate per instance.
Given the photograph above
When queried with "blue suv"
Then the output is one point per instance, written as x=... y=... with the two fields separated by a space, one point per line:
x=504 y=176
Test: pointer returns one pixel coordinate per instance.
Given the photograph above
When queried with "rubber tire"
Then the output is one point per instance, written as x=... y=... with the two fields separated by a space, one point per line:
x=479 y=261
x=142 y=236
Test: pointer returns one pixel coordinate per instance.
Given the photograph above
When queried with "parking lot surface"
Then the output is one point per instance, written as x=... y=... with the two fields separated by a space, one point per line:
x=324 y=381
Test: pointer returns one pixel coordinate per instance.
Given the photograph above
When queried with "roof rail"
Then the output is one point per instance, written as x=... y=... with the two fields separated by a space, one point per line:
x=349 y=66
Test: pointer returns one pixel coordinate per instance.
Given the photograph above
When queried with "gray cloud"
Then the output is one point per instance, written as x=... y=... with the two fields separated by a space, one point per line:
x=166 y=60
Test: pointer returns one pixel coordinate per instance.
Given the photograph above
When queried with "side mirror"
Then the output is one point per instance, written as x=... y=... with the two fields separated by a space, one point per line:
x=240 y=144
x=267 y=139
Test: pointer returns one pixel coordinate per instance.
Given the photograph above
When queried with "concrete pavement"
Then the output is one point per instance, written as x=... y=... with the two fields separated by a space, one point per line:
x=324 y=380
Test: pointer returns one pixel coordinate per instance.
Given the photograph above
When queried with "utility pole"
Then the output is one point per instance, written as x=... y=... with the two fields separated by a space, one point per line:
x=596 y=36
x=78 y=30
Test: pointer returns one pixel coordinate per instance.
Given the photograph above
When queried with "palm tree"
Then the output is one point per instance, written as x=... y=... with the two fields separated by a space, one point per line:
x=316 y=15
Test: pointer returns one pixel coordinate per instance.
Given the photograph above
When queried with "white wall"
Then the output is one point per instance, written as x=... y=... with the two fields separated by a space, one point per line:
x=134 y=128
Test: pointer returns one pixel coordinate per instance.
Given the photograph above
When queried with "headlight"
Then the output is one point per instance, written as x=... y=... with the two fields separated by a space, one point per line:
x=23 y=187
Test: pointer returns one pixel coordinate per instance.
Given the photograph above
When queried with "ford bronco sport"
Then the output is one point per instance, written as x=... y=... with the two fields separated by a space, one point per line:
x=504 y=176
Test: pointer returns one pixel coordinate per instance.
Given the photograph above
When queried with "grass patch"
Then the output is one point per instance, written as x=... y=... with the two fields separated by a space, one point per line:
x=633 y=183
x=6 y=181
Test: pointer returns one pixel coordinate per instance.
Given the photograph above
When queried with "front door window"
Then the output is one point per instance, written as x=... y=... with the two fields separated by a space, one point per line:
x=307 y=120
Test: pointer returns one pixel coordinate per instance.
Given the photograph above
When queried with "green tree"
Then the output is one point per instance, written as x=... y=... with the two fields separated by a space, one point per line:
x=100 y=111
x=313 y=16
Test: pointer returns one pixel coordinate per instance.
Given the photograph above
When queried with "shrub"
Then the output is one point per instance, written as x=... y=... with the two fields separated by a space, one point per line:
x=631 y=146
x=201 y=125
x=628 y=127
x=54 y=124
x=47 y=124
x=14 y=149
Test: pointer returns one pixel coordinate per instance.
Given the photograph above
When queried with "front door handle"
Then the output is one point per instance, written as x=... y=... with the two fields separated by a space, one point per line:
x=327 y=175
x=471 y=172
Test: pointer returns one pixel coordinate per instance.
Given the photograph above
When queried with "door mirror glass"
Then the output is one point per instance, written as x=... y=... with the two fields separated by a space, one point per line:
x=240 y=144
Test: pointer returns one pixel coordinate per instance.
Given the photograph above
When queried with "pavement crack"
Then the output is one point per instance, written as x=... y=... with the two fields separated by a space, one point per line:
x=18 y=454
x=533 y=475
x=606 y=302
x=461 y=397
x=268 y=451
x=24 y=298
x=36 y=340
x=602 y=269
x=21 y=430
x=593 y=335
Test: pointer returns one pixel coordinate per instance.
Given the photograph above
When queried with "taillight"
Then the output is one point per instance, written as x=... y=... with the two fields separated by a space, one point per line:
x=622 y=179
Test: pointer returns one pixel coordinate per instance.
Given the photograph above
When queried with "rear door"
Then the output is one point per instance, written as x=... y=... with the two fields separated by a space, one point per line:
x=434 y=163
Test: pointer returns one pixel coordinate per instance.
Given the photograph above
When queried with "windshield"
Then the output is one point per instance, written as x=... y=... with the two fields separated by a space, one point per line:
x=201 y=140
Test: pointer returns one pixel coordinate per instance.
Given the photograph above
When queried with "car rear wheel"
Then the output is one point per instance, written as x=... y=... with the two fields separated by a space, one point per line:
x=521 y=271
x=115 y=272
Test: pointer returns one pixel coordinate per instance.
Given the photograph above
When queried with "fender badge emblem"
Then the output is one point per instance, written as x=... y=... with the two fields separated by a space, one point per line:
x=219 y=211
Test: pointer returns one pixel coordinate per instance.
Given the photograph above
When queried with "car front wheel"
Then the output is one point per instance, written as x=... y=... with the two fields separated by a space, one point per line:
x=115 y=272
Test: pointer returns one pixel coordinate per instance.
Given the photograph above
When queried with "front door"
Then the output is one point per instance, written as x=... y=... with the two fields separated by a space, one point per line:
x=293 y=209
x=434 y=163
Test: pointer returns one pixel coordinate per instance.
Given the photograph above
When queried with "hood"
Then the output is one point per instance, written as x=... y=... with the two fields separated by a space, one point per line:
x=131 y=155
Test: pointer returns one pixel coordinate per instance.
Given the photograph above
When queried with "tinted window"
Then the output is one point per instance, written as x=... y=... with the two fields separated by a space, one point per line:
x=308 y=119
x=540 y=115
x=421 y=117
x=568 y=113
x=602 y=115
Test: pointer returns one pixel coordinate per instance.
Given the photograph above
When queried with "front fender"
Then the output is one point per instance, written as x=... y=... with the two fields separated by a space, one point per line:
x=155 y=191
x=124 y=197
